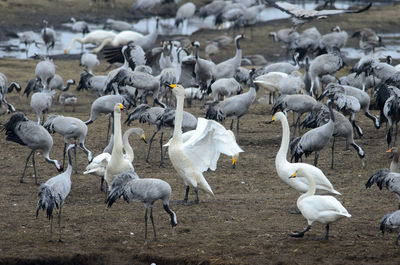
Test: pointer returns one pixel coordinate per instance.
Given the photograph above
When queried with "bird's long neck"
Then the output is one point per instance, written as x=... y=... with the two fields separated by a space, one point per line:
x=117 y=148
x=69 y=167
x=178 y=119
x=104 y=43
x=127 y=147
x=196 y=55
x=238 y=55
x=77 y=39
x=311 y=190
x=282 y=153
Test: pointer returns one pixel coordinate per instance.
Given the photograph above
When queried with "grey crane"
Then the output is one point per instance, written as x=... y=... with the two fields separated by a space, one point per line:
x=57 y=82
x=69 y=128
x=95 y=83
x=48 y=36
x=89 y=60
x=80 y=26
x=225 y=87
x=283 y=67
x=53 y=192
x=368 y=39
x=389 y=222
x=147 y=191
x=296 y=103
x=362 y=97
x=204 y=70
x=249 y=17
x=286 y=35
x=68 y=99
x=301 y=16
x=235 y=106
x=324 y=64
x=214 y=8
x=384 y=178
x=306 y=43
x=394 y=165
x=5 y=88
x=391 y=111
x=221 y=40
x=105 y=105
x=21 y=130
x=227 y=69
x=335 y=39
x=41 y=103
x=184 y=12
x=320 y=115
x=372 y=66
x=314 y=140
x=27 y=38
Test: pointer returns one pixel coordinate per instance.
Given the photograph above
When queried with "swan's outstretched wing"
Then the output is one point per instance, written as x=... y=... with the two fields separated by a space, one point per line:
x=207 y=142
x=98 y=164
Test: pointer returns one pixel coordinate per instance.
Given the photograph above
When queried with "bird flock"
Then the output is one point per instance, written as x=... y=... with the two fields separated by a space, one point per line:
x=174 y=73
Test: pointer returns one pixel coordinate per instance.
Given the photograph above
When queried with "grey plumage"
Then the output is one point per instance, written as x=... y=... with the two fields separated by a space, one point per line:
x=227 y=69
x=53 y=193
x=4 y=88
x=21 y=130
x=57 y=82
x=70 y=128
x=148 y=190
x=314 y=140
x=389 y=222
x=48 y=36
x=235 y=106
x=95 y=83
x=384 y=178
x=296 y=103
x=225 y=87
x=204 y=70
x=335 y=39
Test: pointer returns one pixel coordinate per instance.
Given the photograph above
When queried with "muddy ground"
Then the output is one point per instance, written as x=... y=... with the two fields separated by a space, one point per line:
x=247 y=222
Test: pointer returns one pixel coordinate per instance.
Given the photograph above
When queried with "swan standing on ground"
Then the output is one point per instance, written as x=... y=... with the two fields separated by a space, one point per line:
x=118 y=163
x=148 y=190
x=54 y=192
x=286 y=169
x=324 y=209
x=25 y=132
x=201 y=151
x=99 y=162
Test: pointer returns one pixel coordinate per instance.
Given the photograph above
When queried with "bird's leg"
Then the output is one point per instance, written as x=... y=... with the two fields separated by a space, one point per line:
x=152 y=222
x=59 y=224
x=34 y=168
x=326 y=232
x=102 y=184
x=397 y=240
x=161 y=148
x=316 y=155
x=87 y=152
x=76 y=165
x=26 y=164
x=109 y=125
x=333 y=149
x=300 y=234
x=232 y=124
x=51 y=228
x=395 y=135
x=65 y=149
x=298 y=122
x=185 y=200
x=196 y=191
x=145 y=225
x=237 y=130
x=151 y=140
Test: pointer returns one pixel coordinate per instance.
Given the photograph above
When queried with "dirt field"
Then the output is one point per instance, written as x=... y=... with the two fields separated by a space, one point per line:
x=247 y=222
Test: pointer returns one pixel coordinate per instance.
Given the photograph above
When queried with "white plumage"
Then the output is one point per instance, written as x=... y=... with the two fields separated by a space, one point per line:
x=324 y=209
x=286 y=169
x=201 y=151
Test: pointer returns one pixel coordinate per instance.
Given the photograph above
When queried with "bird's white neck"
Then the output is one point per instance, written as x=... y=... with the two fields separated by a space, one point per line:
x=312 y=188
x=178 y=119
x=117 y=148
x=282 y=153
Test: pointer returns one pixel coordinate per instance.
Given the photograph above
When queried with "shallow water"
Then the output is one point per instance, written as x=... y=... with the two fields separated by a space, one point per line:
x=13 y=49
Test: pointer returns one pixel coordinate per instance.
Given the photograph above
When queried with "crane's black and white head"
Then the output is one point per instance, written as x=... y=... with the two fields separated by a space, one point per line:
x=196 y=43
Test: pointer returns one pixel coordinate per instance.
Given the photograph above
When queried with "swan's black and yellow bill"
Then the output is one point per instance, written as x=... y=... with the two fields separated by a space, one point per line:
x=234 y=161
x=293 y=175
x=121 y=107
x=272 y=120
x=144 y=138
x=172 y=85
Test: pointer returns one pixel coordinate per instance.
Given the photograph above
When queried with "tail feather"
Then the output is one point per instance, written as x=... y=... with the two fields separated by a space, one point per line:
x=382 y=227
x=295 y=150
x=214 y=112
x=46 y=201
x=378 y=178
x=118 y=187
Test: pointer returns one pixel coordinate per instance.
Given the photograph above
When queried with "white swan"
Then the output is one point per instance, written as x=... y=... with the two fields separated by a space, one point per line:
x=120 y=39
x=99 y=163
x=201 y=151
x=94 y=37
x=117 y=163
x=324 y=209
x=285 y=169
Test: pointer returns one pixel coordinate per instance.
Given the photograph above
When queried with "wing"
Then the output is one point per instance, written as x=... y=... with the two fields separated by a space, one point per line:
x=207 y=142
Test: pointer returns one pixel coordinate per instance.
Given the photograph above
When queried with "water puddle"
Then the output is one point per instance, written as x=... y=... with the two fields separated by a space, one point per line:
x=13 y=49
